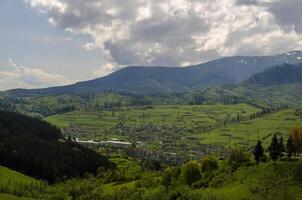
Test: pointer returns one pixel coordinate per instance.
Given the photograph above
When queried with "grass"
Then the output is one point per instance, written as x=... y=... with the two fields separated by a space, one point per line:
x=8 y=175
x=10 y=180
x=11 y=197
x=243 y=134
x=248 y=132
x=248 y=182
x=183 y=115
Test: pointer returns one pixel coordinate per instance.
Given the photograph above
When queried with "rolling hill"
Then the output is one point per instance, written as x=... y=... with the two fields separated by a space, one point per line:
x=154 y=80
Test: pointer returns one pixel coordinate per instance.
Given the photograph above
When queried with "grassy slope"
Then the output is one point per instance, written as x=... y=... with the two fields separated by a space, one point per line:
x=7 y=177
x=11 y=197
x=289 y=94
x=247 y=182
x=252 y=130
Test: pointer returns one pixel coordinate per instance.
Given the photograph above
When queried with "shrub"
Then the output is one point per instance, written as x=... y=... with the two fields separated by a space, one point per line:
x=191 y=172
x=237 y=158
x=209 y=163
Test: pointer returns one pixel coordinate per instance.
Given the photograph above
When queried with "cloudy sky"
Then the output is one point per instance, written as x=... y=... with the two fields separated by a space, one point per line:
x=55 y=42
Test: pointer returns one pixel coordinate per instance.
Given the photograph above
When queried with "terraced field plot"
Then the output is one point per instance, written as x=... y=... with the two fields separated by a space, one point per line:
x=247 y=133
x=180 y=116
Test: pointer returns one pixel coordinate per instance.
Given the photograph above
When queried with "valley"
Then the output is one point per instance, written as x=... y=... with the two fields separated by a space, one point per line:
x=150 y=100
x=210 y=142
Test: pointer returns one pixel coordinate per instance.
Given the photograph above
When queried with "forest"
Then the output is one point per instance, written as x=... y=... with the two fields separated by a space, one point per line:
x=33 y=147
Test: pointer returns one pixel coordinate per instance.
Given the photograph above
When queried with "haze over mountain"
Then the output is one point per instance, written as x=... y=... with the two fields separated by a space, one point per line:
x=150 y=80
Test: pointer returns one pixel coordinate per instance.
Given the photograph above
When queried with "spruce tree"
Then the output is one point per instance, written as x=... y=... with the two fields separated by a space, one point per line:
x=273 y=149
x=281 y=147
x=258 y=151
x=290 y=147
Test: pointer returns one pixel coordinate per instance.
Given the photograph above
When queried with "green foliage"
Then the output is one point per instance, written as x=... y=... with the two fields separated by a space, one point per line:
x=184 y=193
x=208 y=164
x=290 y=148
x=171 y=177
x=258 y=151
x=31 y=146
x=274 y=148
x=237 y=158
x=191 y=172
x=128 y=169
x=275 y=183
x=281 y=147
x=278 y=180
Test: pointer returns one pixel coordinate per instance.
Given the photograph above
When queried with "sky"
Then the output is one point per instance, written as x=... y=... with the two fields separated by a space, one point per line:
x=47 y=43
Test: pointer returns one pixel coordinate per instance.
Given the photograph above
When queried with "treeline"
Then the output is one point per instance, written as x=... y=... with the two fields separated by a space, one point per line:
x=20 y=125
x=7 y=104
x=47 y=111
x=31 y=146
x=278 y=148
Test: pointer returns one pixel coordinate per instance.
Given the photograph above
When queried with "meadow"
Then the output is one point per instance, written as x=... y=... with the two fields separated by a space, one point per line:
x=246 y=133
x=178 y=115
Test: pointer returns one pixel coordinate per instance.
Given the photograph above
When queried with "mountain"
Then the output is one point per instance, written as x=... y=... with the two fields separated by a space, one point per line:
x=154 y=80
x=284 y=74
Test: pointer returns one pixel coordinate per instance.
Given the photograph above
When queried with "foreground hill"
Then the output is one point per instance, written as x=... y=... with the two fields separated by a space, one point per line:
x=278 y=180
x=31 y=146
x=154 y=80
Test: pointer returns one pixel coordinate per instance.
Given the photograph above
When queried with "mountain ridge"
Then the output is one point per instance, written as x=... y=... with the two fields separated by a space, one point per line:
x=162 y=79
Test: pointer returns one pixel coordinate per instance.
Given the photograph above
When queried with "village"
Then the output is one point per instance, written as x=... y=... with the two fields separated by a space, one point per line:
x=161 y=143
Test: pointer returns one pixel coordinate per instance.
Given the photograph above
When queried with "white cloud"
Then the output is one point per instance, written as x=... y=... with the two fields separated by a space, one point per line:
x=104 y=70
x=48 y=4
x=176 y=32
x=17 y=76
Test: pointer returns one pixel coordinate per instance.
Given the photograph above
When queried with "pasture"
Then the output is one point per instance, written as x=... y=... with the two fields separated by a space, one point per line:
x=179 y=116
x=248 y=132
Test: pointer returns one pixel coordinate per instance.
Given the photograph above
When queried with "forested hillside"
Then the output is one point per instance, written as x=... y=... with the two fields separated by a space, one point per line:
x=32 y=147
x=283 y=74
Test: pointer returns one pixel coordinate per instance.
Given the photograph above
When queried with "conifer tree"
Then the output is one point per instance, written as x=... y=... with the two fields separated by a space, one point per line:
x=273 y=149
x=290 y=147
x=281 y=147
x=258 y=151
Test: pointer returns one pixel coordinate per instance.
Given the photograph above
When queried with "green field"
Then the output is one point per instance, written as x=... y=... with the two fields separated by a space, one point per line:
x=11 y=181
x=180 y=116
x=248 y=132
x=11 y=197
x=7 y=175
x=199 y=118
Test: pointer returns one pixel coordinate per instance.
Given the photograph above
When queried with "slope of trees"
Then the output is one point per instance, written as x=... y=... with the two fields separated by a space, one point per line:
x=278 y=75
x=32 y=147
